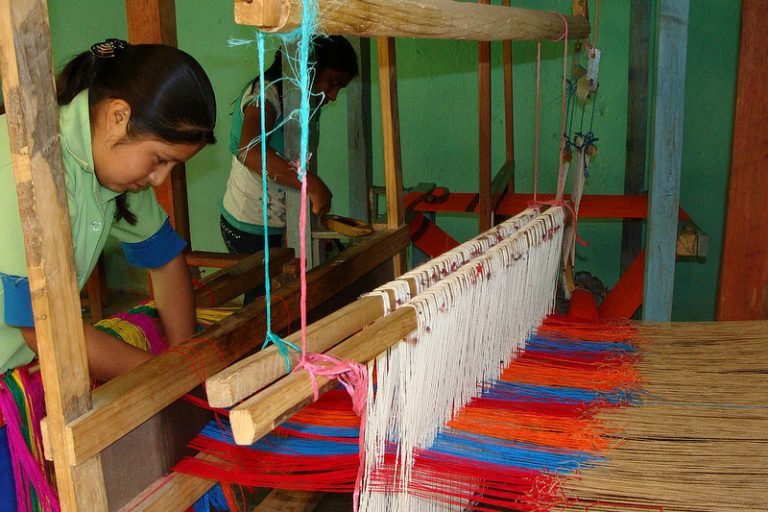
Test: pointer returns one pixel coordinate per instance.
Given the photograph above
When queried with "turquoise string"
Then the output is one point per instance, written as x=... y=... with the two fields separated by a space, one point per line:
x=309 y=12
x=270 y=337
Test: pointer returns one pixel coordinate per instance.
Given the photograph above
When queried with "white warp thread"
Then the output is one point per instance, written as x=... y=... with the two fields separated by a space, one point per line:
x=471 y=323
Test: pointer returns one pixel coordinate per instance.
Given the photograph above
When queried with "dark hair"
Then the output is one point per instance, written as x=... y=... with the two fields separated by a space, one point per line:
x=328 y=52
x=170 y=96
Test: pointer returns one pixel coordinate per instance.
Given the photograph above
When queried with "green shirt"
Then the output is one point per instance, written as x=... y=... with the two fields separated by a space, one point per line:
x=91 y=213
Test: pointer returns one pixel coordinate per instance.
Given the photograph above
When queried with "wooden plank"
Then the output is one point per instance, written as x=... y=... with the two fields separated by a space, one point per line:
x=212 y=259
x=173 y=492
x=281 y=500
x=440 y=19
x=743 y=291
x=509 y=110
x=226 y=284
x=637 y=123
x=154 y=21
x=501 y=183
x=390 y=128
x=151 y=21
x=125 y=402
x=359 y=137
x=263 y=412
x=593 y=206
x=691 y=241
x=664 y=194
x=26 y=66
x=581 y=8
x=248 y=375
x=484 y=131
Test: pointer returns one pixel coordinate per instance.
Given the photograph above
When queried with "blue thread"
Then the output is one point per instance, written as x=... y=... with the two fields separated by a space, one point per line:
x=270 y=337
x=510 y=453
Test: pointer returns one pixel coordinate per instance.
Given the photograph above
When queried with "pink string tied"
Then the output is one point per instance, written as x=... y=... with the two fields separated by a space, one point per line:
x=354 y=377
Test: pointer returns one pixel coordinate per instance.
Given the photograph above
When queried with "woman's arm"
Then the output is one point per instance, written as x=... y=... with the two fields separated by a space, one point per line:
x=279 y=169
x=108 y=357
x=174 y=299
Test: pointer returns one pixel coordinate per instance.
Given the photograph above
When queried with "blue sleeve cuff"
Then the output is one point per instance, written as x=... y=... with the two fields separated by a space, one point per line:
x=156 y=250
x=17 y=303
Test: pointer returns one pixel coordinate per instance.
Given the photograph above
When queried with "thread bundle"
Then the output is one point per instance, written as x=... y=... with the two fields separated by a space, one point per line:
x=510 y=446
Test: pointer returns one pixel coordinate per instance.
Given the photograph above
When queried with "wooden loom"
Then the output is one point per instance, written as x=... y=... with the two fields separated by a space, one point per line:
x=82 y=424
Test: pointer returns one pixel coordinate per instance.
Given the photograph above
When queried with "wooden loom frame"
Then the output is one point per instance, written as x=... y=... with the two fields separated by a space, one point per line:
x=81 y=424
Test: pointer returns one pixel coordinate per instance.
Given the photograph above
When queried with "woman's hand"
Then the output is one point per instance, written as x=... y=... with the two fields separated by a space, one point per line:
x=319 y=195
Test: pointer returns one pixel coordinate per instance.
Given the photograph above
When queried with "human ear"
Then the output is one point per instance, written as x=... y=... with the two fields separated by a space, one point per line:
x=118 y=115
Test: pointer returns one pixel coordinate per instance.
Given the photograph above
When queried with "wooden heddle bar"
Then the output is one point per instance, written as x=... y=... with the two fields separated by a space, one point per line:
x=434 y=19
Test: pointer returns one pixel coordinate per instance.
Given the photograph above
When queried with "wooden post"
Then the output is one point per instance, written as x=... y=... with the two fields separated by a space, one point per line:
x=26 y=66
x=509 y=110
x=667 y=158
x=743 y=293
x=637 y=124
x=390 y=120
x=484 y=131
x=439 y=19
x=154 y=21
x=360 y=159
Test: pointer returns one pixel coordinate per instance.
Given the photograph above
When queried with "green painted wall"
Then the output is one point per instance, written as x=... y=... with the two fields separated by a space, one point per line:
x=438 y=106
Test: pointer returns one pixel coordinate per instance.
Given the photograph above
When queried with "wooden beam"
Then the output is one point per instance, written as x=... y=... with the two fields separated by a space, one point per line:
x=154 y=22
x=637 y=124
x=509 y=110
x=281 y=500
x=390 y=128
x=439 y=19
x=226 y=284
x=211 y=259
x=125 y=402
x=263 y=412
x=501 y=183
x=26 y=67
x=151 y=21
x=743 y=287
x=248 y=375
x=484 y=131
x=664 y=194
x=174 y=492
x=359 y=138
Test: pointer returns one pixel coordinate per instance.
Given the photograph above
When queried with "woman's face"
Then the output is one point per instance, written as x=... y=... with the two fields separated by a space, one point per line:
x=132 y=165
x=329 y=82
x=124 y=163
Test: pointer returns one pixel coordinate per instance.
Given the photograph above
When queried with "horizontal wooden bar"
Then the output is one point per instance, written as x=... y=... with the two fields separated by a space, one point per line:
x=212 y=259
x=174 y=492
x=226 y=284
x=282 y=500
x=127 y=401
x=260 y=414
x=436 y=19
x=593 y=206
x=248 y=375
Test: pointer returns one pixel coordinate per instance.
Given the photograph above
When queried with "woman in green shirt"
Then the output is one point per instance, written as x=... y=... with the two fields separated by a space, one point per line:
x=128 y=115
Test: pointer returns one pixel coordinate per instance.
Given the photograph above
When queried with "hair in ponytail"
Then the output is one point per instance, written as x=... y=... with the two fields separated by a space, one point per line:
x=170 y=96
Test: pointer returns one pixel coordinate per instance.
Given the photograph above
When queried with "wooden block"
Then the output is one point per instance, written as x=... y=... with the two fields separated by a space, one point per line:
x=280 y=500
x=691 y=241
